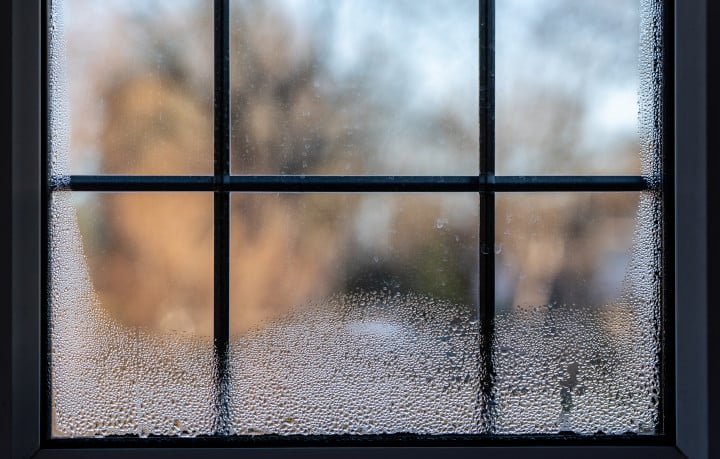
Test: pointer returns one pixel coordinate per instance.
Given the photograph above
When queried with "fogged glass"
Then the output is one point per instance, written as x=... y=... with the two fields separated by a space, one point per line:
x=567 y=87
x=139 y=85
x=578 y=303
x=354 y=87
x=354 y=314
x=131 y=314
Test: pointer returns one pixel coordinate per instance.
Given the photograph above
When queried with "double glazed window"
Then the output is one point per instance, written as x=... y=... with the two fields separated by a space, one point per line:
x=349 y=220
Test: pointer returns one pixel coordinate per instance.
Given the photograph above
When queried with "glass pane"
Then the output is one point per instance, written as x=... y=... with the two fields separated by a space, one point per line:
x=139 y=85
x=354 y=87
x=354 y=314
x=131 y=314
x=578 y=303
x=567 y=85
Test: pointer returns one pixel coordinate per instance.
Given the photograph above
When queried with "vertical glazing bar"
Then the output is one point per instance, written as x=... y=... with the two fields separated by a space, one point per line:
x=487 y=210
x=221 y=328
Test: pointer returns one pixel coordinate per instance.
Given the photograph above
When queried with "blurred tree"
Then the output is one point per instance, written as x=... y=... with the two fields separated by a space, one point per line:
x=153 y=257
x=152 y=260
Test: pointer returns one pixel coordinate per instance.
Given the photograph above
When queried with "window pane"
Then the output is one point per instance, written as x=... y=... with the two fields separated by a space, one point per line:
x=354 y=87
x=577 y=326
x=567 y=84
x=354 y=313
x=131 y=314
x=139 y=85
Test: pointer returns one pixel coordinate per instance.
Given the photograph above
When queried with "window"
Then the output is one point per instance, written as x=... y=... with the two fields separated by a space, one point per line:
x=498 y=183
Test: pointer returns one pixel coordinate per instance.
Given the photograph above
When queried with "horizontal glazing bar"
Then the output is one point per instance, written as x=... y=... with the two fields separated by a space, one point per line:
x=374 y=183
x=319 y=183
x=133 y=183
x=572 y=183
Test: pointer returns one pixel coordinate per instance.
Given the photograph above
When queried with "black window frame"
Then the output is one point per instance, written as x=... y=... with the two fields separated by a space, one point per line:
x=687 y=137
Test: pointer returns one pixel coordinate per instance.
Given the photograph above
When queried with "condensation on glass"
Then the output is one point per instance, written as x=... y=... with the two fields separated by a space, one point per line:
x=351 y=313
x=120 y=367
x=579 y=277
x=354 y=87
x=113 y=371
x=577 y=313
x=139 y=85
x=354 y=313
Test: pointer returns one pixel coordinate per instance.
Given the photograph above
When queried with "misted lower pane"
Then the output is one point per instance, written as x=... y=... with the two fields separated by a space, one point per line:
x=354 y=87
x=131 y=314
x=578 y=313
x=354 y=314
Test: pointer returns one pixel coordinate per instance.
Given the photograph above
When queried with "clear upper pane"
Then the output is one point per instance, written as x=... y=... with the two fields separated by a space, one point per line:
x=354 y=87
x=567 y=87
x=139 y=86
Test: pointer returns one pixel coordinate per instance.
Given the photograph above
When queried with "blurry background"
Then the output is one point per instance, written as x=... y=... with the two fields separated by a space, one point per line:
x=343 y=87
x=384 y=338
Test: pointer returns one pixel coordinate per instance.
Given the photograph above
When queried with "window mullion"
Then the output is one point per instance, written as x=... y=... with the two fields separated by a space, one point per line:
x=221 y=316
x=486 y=284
